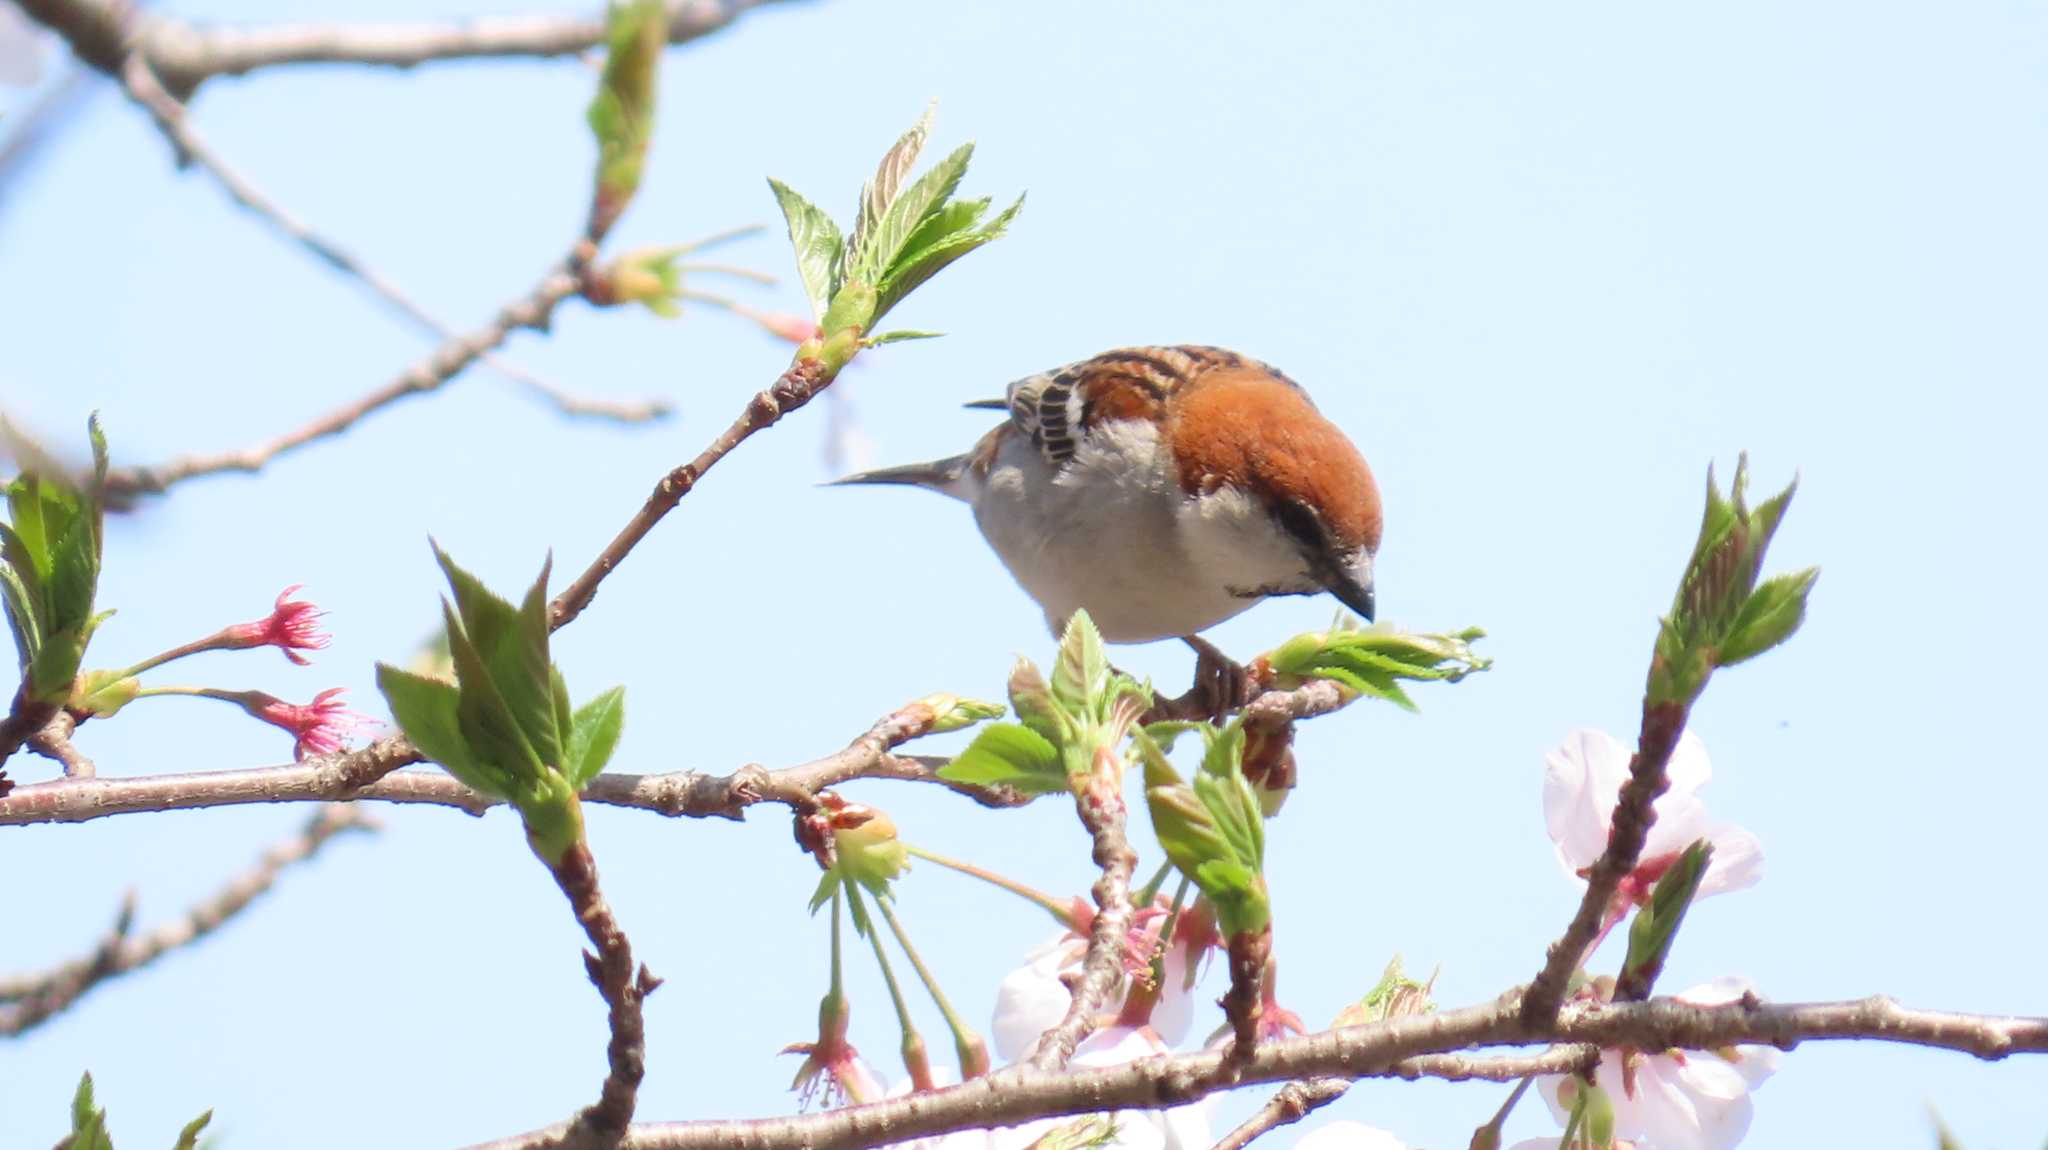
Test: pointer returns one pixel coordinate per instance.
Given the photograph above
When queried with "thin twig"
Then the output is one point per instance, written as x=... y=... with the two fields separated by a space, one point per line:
x=796 y=387
x=1413 y=1044
x=1290 y=1104
x=186 y=55
x=169 y=116
x=532 y=310
x=1634 y=813
x=30 y=1000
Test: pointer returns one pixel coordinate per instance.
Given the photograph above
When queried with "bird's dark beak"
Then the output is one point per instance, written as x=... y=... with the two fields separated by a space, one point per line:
x=1354 y=591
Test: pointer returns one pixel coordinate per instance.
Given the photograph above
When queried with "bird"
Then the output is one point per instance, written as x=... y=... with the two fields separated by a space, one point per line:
x=1164 y=490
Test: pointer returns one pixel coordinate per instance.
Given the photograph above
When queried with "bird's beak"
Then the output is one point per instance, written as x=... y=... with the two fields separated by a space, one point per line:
x=1353 y=587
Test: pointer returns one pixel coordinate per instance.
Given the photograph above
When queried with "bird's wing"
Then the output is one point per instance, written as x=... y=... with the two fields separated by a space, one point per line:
x=1055 y=407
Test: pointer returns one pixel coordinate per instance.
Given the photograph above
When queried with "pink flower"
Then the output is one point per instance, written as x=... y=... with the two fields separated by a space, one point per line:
x=290 y=627
x=1582 y=782
x=319 y=726
x=833 y=1073
x=1678 y=1099
x=1034 y=997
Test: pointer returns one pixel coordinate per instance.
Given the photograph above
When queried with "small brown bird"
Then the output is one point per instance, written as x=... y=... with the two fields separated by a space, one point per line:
x=1165 y=489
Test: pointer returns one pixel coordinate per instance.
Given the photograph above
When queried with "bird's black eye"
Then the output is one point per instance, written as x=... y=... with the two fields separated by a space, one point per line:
x=1303 y=524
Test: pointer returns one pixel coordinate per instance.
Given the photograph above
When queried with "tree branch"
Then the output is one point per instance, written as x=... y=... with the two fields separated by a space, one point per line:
x=610 y=966
x=168 y=114
x=368 y=775
x=531 y=311
x=796 y=387
x=1413 y=1045
x=1100 y=802
x=27 y=1001
x=186 y=55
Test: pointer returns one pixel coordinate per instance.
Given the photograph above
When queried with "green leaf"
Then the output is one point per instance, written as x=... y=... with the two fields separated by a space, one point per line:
x=899 y=337
x=1656 y=924
x=1222 y=787
x=512 y=644
x=622 y=113
x=911 y=272
x=103 y=693
x=1010 y=755
x=21 y=613
x=923 y=199
x=955 y=217
x=488 y=728
x=1080 y=674
x=1033 y=702
x=827 y=883
x=1772 y=613
x=818 y=247
x=88 y=1120
x=593 y=734
x=188 y=1138
x=879 y=194
x=426 y=711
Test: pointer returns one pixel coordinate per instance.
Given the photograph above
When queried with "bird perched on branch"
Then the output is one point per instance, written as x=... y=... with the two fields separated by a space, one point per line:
x=1165 y=489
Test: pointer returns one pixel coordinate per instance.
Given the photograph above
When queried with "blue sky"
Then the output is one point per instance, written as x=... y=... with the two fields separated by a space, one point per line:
x=1544 y=264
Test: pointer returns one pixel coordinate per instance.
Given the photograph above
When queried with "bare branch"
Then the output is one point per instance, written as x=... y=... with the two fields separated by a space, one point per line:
x=30 y=1000
x=54 y=742
x=1408 y=1046
x=168 y=114
x=797 y=386
x=1292 y=1103
x=610 y=966
x=1100 y=802
x=533 y=310
x=186 y=55
x=372 y=774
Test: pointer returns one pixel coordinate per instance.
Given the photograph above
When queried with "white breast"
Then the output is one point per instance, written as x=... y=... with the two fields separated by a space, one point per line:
x=1113 y=532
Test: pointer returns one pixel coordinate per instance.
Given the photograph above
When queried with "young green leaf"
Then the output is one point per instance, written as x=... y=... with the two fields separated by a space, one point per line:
x=1656 y=924
x=1080 y=675
x=188 y=1138
x=899 y=337
x=512 y=644
x=88 y=1120
x=923 y=199
x=819 y=249
x=1773 y=612
x=103 y=693
x=426 y=711
x=622 y=113
x=484 y=717
x=911 y=271
x=879 y=194
x=1011 y=755
x=593 y=733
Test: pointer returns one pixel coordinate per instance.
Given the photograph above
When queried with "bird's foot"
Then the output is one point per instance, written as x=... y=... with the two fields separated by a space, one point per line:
x=1221 y=686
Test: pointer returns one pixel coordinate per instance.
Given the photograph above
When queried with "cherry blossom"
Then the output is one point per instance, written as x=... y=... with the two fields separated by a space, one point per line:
x=319 y=726
x=1582 y=782
x=1033 y=998
x=291 y=627
x=1678 y=1099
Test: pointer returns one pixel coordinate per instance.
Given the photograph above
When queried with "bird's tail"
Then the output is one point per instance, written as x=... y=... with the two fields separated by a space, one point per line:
x=941 y=475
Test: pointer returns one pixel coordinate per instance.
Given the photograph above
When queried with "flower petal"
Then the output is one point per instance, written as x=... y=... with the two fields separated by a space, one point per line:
x=1738 y=861
x=1581 y=783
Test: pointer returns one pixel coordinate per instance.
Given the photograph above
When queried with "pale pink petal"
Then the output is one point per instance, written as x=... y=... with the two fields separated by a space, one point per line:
x=1682 y=820
x=1031 y=999
x=1581 y=783
x=1344 y=1134
x=1174 y=1014
x=1738 y=861
x=1702 y=1105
